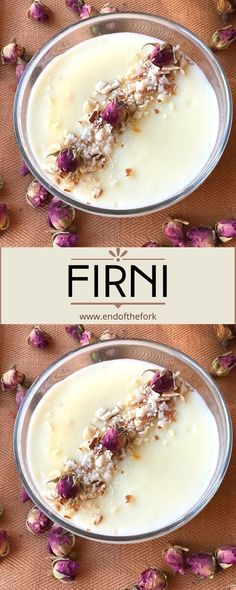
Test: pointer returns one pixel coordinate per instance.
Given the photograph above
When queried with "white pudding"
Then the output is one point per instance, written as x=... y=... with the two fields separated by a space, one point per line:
x=155 y=482
x=163 y=148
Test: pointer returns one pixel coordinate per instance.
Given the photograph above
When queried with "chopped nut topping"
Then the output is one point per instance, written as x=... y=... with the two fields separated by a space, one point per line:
x=114 y=433
x=128 y=499
x=113 y=108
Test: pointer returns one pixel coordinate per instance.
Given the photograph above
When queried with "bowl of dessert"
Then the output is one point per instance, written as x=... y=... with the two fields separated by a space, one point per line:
x=123 y=114
x=124 y=441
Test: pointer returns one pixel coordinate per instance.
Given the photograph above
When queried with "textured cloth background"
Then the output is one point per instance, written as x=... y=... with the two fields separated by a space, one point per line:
x=103 y=566
x=216 y=198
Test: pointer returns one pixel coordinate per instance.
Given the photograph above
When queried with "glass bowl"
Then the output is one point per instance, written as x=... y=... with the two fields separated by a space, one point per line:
x=134 y=349
x=153 y=26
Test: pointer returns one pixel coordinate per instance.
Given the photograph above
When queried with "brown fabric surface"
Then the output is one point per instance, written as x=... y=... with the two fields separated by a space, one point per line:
x=103 y=566
x=216 y=198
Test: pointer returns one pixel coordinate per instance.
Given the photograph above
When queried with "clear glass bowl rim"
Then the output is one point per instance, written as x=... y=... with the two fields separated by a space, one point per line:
x=96 y=20
x=150 y=534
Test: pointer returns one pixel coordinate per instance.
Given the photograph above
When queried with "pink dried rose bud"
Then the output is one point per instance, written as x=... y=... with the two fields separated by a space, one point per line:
x=24 y=496
x=226 y=229
x=113 y=113
x=67 y=160
x=75 y=5
x=223 y=364
x=113 y=440
x=226 y=556
x=11 y=378
x=36 y=521
x=24 y=168
x=65 y=240
x=38 y=338
x=75 y=331
x=60 y=215
x=162 y=55
x=86 y=338
x=4 y=216
x=67 y=487
x=150 y=244
x=21 y=392
x=223 y=38
x=11 y=52
x=152 y=579
x=4 y=543
x=38 y=11
x=65 y=570
x=175 y=232
x=60 y=541
x=20 y=68
x=225 y=333
x=162 y=381
x=201 y=237
x=36 y=194
x=225 y=8
x=175 y=558
x=87 y=11
x=202 y=564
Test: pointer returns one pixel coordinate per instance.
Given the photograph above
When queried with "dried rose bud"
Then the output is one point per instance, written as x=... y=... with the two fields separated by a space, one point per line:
x=87 y=11
x=60 y=215
x=113 y=440
x=65 y=240
x=24 y=496
x=60 y=541
x=201 y=237
x=202 y=564
x=152 y=579
x=38 y=11
x=4 y=216
x=223 y=364
x=4 y=543
x=86 y=338
x=162 y=381
x=225 y=333
x=174 y=557
x=24 y=168
x=174 y=231
x=36 y=194
x=225 y=8
x=150 y=244
x=11 y=52
x=11 y=378
x=113 y=113
x=21 y=392
x=226 y=556
x=38 y=338
x=75 y=5
x=162 y=55
x=107 y=9
x=223 y=38
x=65 y=569
x=67 y=160
x=67 y=487
x=75 y=331
x=20 y=68
x=36 y=521
x=107 y=335
x=226 y=229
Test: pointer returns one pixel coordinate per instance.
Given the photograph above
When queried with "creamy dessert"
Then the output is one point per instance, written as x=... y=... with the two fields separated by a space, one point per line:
x=122 y=447
x=122 y=121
